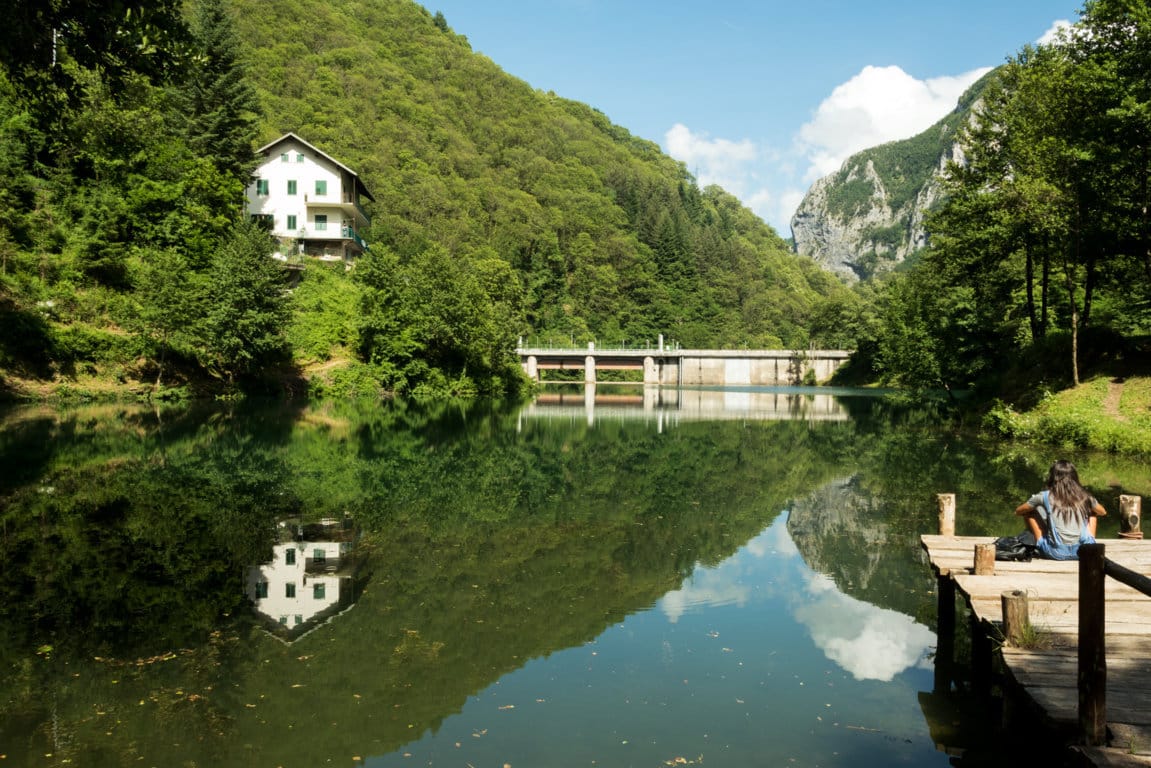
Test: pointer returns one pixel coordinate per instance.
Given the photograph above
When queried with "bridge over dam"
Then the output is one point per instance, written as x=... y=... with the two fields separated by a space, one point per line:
x=691 y=367
x=668 y=407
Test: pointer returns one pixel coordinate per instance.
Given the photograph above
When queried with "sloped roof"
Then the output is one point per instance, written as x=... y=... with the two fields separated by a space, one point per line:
x=266 y=150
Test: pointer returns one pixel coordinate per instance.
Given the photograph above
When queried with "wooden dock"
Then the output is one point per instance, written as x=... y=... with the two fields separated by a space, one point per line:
x=1044 y=669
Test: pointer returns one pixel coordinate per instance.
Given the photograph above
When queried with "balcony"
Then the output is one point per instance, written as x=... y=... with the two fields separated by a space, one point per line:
x=350 y=232
x=349 y=205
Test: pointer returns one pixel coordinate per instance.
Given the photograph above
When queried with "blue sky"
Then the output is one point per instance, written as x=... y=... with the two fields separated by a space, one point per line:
x=759 y=97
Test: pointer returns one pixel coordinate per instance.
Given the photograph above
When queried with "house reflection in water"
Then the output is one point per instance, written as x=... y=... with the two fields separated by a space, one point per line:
x=310 y=579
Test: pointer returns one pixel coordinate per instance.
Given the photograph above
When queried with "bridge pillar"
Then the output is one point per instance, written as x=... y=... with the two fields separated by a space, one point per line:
x=532 y=368
x=650 y=371
x=589 y=369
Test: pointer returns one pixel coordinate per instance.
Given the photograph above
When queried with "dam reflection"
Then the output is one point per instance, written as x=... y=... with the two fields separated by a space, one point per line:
x=666 y=407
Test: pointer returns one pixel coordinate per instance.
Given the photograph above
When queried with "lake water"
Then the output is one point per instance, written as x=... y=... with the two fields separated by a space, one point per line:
x=607 y=578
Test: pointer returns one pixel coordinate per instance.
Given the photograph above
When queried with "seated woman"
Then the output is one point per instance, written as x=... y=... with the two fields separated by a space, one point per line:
x=1063 y=515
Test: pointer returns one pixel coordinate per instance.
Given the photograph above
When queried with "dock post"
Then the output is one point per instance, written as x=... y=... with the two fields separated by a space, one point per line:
x=946 y=513
x=1130 y=508
x=1016 y=621
x=944 y=634
x=981 y=658
x=1092 y=646
x=984 y=560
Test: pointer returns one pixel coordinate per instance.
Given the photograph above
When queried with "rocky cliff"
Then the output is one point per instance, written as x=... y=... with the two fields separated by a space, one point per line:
x=869 y=216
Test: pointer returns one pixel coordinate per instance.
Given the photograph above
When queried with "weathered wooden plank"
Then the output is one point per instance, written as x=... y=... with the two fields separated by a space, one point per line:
x=1132 y=739
x=1049 y=674
x=1113 y=758
x=1061 y=704
x=1062 y=617
x=1039 y=586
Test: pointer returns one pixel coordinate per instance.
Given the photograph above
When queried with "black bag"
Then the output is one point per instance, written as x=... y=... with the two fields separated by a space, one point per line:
x=1020 y=547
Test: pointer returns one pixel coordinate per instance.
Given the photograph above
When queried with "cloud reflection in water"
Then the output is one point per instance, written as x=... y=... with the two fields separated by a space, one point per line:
x=867 y=641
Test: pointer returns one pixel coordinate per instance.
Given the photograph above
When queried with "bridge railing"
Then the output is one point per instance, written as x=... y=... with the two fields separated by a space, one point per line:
x=560 y=346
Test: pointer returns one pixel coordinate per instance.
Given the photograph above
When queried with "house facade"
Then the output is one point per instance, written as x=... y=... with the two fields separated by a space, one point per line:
x=309 y=578
x=310 y=201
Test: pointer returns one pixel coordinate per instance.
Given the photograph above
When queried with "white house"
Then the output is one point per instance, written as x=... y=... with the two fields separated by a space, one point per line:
x=309 y=578
x=310 y=201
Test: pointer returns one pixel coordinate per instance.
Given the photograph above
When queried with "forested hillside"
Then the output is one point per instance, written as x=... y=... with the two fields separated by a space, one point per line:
x=500 y=211
x=1039 y=265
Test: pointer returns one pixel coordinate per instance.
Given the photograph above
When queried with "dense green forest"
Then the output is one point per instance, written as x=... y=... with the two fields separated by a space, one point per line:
x=128 y=135
x=1039 y=264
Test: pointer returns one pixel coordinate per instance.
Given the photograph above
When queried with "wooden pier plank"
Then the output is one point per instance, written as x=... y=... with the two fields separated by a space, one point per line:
x=1048 y=673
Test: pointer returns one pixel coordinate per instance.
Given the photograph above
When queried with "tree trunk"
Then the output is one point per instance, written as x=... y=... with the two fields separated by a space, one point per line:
x=1043 y=298
x=1089 y=285
x=1029 y=279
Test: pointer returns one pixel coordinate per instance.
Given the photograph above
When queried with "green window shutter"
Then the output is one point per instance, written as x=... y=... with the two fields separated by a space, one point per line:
x=292 y=225
x=291 y=186
x=321 y=187
x=321 y=222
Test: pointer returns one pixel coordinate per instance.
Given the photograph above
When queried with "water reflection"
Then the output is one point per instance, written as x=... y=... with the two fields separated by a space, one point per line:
x=310 y=578
x=542 y=593
x=868 y=641
x=666 y=407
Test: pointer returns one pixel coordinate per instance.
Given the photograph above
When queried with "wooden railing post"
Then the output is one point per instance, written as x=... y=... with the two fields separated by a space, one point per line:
x=946 y=514
x=1092 y=646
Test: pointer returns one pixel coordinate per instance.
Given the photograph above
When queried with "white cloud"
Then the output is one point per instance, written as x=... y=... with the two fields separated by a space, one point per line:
x=733 y=165
x=717 y=155
x=878 y=105
x=1052 y=34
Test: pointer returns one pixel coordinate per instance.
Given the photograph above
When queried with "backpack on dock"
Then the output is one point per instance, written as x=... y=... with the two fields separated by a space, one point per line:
x=1020 y=547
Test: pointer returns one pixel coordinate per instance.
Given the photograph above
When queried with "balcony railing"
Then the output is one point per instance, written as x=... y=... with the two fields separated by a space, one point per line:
x=350 y=232
x=356 y=203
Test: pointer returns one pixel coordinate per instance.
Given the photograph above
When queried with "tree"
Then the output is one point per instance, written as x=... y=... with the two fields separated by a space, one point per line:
x=168 y=299
x=221 y=100
x=246 y=309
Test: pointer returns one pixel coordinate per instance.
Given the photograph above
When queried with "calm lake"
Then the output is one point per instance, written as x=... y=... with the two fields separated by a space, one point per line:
x=614 y=578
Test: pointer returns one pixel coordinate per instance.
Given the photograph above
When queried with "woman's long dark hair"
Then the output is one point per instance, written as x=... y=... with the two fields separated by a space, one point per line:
x=1068 y=497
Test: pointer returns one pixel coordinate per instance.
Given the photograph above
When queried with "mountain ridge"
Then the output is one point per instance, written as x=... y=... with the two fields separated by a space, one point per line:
x=869 y=216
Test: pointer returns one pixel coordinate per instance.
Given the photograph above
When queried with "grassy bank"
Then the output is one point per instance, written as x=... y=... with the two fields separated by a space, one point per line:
x=1103 y=413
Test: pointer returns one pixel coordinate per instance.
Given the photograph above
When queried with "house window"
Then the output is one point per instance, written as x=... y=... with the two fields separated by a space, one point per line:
x=290 y=589
x=291 y=186
x=261 y=187
x=321 y=225
x=321 y=187
x=284 y=158
x=261 y=590
x=299 y=158
x=292 y=225
x=299 y=619
x=290 y=554
x=319 y=555
x=318 y=590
